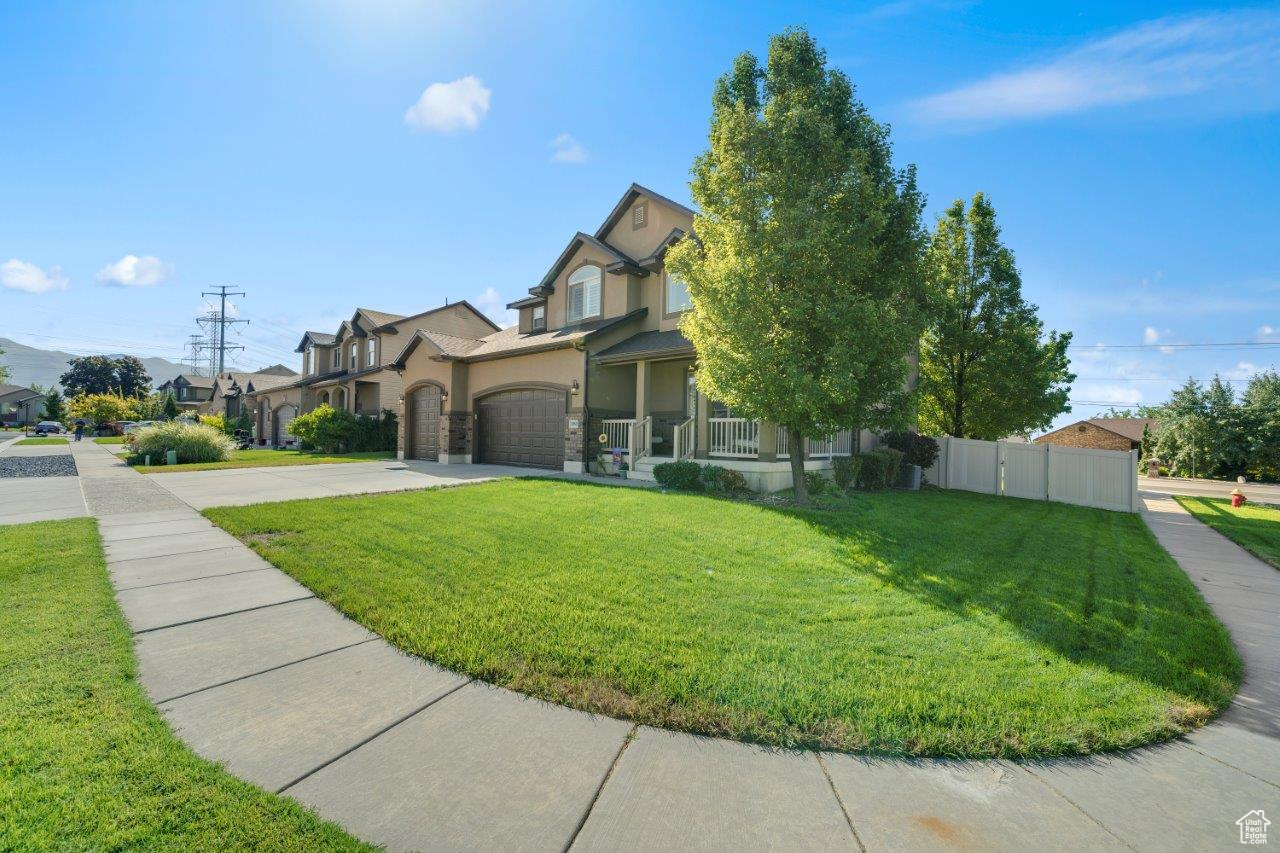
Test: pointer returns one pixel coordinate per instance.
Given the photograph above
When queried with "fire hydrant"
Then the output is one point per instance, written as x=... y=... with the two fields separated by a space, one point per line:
x=1237 y=498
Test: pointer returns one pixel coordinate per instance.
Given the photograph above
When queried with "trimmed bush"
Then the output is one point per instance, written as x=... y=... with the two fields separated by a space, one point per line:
x=816 y=482
x=916 y=449
x=327 y=429
x=872 y=470
x=684 y=475
x=844 y=471
x=192 y=443
x=893 y=465
x=723 y=481
x=373 y=433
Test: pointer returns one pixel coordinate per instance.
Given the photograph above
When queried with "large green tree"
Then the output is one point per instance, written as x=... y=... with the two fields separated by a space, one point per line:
x=101 y=374
x=987 y=370
x=804 y=274
x=1261 y=415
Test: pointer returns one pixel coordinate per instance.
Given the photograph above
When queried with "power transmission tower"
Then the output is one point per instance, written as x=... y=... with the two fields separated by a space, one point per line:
x=222 y=293
x=194 y=348
x=209 y=342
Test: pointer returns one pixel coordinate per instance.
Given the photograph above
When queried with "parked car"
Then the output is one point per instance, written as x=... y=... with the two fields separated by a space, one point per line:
x=134 y=426
x=115 y=427
x=49 y=428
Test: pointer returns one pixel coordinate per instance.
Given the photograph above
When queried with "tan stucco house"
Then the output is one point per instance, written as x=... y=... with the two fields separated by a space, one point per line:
x=233 y=390
x=597 y=351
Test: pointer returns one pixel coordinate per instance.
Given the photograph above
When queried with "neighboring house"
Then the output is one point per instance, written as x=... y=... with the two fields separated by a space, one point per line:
x=20 y=405
x=1102 y=433
x=597 y=350
x=231 y=390
x=190 y=391
x=350 y=369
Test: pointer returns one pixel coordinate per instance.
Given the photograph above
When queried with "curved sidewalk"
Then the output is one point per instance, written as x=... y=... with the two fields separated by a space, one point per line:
x=252 y=670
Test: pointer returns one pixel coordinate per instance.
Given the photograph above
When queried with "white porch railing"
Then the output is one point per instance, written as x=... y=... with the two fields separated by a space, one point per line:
x=736 y=437
x=682 y=441
x=619 y=432
x=642 y=443
x=840 y=444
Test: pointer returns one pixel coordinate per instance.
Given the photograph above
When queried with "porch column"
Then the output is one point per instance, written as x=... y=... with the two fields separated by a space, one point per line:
x=702 y=428
x=768 y=442
x=644 y=376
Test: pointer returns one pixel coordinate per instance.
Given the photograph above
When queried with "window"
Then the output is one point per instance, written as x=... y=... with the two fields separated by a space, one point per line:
x=539 y=317
x=677 y=295
x=355 y=353
x=309 y=360
x=584 y=293
x=371 y=352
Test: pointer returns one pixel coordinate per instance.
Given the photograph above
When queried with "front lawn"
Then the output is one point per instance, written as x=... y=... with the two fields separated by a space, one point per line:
x=40 y=440
x=111 y=439
x=1254 y=528
x=86 y=762
x=930 y=623
x=265 y=459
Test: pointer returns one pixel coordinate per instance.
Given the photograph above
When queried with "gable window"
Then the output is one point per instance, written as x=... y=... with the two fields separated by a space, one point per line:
x=309 y=360
x=371 y=352
x=584 y=293
x=677 y=295
x=539 y=318
x=355 y=353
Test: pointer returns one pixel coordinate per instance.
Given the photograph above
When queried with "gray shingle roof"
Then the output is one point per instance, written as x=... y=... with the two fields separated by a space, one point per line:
x=1130 y=428
x=512 y=342
x=647 y=344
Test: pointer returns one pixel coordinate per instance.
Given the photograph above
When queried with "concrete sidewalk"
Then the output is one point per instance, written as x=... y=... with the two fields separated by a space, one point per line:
x=254 y=671
x=27 y=499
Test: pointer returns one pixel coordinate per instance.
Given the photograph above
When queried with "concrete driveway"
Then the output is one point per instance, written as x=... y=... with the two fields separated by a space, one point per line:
x=241 y=486
x=26 y=499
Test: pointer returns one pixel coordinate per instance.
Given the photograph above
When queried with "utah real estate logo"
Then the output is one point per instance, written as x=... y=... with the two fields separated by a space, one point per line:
x=1253 y=827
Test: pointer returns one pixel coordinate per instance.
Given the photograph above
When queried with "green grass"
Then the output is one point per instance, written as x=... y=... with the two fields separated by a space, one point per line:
x=1254 y=528
x=111 y=439
x=931 y=623
x=25 y=442
x=266 y=459
x=86 y=762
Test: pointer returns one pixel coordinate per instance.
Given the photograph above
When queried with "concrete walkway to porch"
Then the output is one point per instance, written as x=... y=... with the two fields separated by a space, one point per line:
x=252 y=670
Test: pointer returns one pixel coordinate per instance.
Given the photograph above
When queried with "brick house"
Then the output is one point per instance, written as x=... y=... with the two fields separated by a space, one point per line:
x=1101 y=434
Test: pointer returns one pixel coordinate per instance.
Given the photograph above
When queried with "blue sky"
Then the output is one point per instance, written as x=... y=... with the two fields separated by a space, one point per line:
x=298 y=151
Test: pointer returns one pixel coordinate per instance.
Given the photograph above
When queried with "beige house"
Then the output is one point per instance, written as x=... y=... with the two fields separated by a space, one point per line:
x=597 y=351
x=232 y=391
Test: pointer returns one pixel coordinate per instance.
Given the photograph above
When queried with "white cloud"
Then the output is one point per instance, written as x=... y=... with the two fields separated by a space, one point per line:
x=567 y=150
x=133 y=271
x=1229 y=56
x=20 y=275
x=446 y=107
x=1150 y=335
x=494 y=306
x=1268 y=333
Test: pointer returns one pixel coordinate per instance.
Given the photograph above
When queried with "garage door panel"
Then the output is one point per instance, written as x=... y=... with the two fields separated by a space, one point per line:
x=424 y=423
x=523 y=426
x=283 y=418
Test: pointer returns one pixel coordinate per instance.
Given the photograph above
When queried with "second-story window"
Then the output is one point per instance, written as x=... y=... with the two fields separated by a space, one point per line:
x=309 y=360
x=584 y=293
x=371 y=352
x=677 y=295
x=539 y=318
x=355 y=353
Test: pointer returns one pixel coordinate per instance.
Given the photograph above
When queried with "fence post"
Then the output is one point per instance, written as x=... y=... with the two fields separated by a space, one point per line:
x=1048 y=448
x=1133 y=480
x=946 y=468
x=999 y=468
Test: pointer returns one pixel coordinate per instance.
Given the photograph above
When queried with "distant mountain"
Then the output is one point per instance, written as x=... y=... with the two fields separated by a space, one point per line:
x=44 y=366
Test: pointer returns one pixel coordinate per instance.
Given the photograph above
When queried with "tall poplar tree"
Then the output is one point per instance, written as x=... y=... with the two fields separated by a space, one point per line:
x=804 y=274
x=986 y=368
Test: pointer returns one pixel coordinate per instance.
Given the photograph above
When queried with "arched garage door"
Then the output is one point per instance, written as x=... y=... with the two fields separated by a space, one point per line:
x=523 y=426
x=424 y=423
x=280 y=424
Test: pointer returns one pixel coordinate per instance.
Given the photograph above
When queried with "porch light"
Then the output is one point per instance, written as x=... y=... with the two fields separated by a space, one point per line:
x=574 y=388
x=400 y=401
x=444 y=394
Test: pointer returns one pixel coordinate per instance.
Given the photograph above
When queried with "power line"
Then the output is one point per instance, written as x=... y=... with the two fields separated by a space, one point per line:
x=1233 y=345
x=222 y=293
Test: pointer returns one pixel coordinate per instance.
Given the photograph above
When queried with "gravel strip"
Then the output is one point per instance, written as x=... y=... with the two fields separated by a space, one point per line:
x=60 y=465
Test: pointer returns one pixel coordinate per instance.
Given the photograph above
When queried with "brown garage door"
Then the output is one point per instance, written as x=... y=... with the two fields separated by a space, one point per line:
x=524 y=426
x=424 y=423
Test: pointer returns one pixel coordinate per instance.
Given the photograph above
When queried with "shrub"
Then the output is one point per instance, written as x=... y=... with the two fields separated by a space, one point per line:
x=218 y=421
x=893 y=465
x=684 y=475
x=324 y=427
x=872 y=470
x=724 y=481
x=192 y=442
x=844 y=471
x=916 y=449
x=99 y=408
x=373 y=433
x=816 y=482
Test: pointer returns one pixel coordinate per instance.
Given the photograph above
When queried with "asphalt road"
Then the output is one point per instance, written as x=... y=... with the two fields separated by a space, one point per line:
x=1268 y=493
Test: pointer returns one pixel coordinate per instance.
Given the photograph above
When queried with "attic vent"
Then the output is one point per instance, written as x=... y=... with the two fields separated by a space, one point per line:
x=1081 y=428
x=640 y=215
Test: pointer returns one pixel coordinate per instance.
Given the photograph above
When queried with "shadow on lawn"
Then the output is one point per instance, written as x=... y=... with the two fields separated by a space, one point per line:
x=1091 y=585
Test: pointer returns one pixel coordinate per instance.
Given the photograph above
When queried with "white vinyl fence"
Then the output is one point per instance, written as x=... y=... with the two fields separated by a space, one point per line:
x=1107 y=479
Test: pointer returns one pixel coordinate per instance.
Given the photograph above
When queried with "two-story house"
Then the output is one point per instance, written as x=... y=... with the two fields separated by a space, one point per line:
x=350 y=368
x=190 y=391
x=597 y=352
x=233 y=391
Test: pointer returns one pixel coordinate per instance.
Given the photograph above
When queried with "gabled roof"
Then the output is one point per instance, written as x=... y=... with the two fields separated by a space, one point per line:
x=379 y=318
x=320 y=339
x=675 y=235
x=512 y=341
x=633 y=192
x=621 y=260
x=268 y=382
x=461 y=302
x=1130 y=428
x=442 y=344
x=193 y=380
x=645 y=345
x=6 y=390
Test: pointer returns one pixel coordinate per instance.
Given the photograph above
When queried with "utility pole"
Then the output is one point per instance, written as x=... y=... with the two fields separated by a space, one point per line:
x=222 y=293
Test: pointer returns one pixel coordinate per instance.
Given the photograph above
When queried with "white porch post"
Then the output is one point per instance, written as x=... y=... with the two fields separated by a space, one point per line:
x=644 y=378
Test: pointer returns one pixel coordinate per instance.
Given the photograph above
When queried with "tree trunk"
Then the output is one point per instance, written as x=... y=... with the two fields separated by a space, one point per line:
x=796 y=452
